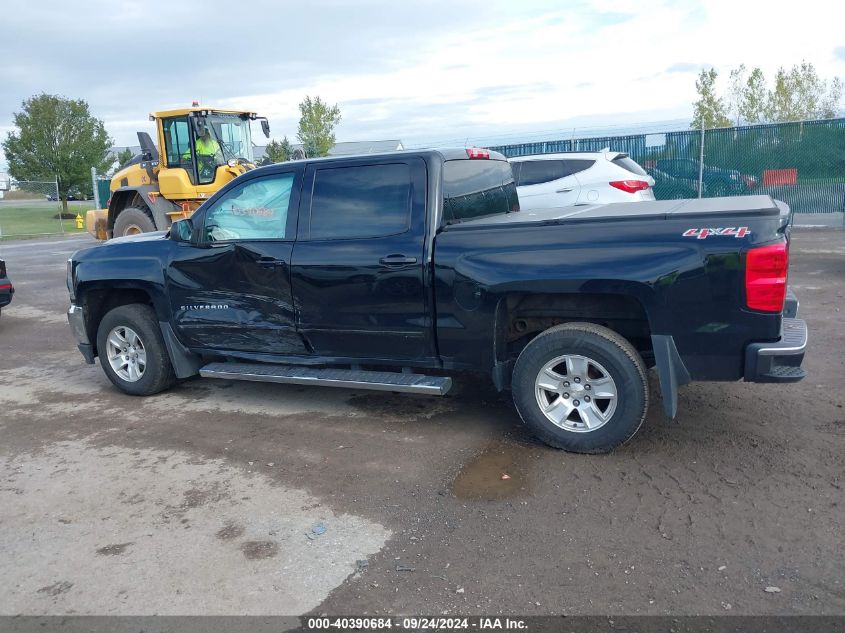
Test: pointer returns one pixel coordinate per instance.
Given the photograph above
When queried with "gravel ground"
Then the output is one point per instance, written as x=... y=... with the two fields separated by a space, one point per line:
x=223 y=497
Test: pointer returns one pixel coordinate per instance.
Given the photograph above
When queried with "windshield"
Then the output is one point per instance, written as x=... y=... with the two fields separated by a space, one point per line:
x=232 y=133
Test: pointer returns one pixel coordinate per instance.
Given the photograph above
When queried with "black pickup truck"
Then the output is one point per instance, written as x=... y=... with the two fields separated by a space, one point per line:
x=394 y=271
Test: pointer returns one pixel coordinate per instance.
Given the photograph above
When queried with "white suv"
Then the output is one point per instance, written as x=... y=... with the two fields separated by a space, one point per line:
x=546 y=181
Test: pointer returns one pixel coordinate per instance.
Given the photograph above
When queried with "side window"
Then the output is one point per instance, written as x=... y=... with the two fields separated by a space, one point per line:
x=477 y=188
x=177 y=141
x=576 y=165
x=361 y=201
x=231 y=136
x=257 y=210
x=535 y=172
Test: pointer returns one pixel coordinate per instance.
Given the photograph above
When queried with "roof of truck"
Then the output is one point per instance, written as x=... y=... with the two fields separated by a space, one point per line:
x=447 y=153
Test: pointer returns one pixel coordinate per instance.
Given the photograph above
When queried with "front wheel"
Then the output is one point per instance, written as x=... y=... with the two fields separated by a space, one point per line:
x=133 y=221
x=132 y=351
x=581 y=387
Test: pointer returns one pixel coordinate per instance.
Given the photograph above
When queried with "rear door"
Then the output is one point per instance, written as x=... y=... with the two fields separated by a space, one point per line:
x=546 y=184
x=357 y=269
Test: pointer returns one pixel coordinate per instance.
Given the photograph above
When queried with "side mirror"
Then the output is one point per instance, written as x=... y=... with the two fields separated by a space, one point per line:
x=182 y=230
x=265 y=127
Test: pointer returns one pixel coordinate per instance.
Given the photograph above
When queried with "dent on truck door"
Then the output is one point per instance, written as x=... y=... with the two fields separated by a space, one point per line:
x=232 y=290
x=358 y=265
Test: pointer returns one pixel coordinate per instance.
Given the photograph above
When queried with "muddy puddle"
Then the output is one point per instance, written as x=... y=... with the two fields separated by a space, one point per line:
x=501 y=471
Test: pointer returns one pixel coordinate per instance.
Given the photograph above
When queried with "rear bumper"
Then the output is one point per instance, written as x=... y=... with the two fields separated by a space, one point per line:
x=781 y=360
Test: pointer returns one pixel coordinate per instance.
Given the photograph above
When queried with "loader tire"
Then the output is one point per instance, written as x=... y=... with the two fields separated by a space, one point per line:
x=133 y=221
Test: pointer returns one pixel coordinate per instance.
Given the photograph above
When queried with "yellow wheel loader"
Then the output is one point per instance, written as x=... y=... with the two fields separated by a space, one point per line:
x=199 y=150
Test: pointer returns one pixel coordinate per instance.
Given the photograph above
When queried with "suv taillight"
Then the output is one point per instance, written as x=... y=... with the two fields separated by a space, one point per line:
x=630 y=186
x=766 y=271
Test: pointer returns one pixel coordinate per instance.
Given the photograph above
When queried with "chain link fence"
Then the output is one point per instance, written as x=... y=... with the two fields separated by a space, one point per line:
x=33 y=208
x=801 y=163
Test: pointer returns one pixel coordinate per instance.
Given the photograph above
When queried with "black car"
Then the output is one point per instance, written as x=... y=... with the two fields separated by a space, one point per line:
x=72 y=196
x=680 y=179
x=668 y=187
x=6 y=287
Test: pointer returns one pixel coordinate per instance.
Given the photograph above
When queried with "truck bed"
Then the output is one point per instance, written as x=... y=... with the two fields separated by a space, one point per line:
x=735 y=206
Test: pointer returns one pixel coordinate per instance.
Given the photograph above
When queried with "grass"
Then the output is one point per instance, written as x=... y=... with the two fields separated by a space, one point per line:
x=23 y=220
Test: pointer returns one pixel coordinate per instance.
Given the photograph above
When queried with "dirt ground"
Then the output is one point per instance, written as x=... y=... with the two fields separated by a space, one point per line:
x=247 y=498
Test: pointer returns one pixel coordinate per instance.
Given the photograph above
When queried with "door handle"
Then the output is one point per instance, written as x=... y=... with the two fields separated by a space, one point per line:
x=397 y=260
x=270 y=262
x=565 y=190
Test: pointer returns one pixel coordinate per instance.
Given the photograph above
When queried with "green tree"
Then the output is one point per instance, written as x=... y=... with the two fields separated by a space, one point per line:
x=316 y=126
x=279 y=152
x=800 y=94
x=57 y=138
x=709 y=109
x=123 y=157
x=754 y=100
x=736 y=91
x=829 y=103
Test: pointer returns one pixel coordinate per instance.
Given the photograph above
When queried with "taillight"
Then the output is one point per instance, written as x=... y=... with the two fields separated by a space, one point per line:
x=766 y=270
x=477 y=152
x=630 y=186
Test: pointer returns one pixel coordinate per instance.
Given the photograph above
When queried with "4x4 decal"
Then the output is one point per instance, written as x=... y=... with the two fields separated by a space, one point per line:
x=705 y=233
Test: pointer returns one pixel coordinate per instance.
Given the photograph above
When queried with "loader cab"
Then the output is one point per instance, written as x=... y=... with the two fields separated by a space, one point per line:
x=202 y=151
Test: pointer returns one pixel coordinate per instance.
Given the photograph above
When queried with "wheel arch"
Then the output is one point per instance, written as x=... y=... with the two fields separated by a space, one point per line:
x=140 y=197
x=98 y=299
x=521 y=316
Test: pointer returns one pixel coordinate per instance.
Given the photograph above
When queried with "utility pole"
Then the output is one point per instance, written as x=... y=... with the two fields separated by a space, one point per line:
x=701 y=162
x=61 y=206
x=96 y=189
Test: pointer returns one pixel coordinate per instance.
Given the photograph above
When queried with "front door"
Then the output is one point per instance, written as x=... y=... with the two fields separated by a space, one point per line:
x=358 y=265
x=232 y=291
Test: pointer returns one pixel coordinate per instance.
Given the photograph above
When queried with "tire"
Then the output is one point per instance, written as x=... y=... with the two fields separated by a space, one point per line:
x=133 y=221
x=588 y=359
x=717 y=190
x=136 y=328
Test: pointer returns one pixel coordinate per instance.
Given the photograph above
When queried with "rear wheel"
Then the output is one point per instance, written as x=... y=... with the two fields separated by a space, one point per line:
x=132 y=351
x=133 y=221
x=717 y=190
x=581 y=387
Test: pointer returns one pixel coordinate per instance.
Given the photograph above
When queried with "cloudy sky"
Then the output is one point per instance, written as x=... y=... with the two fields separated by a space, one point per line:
x=423 y=72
